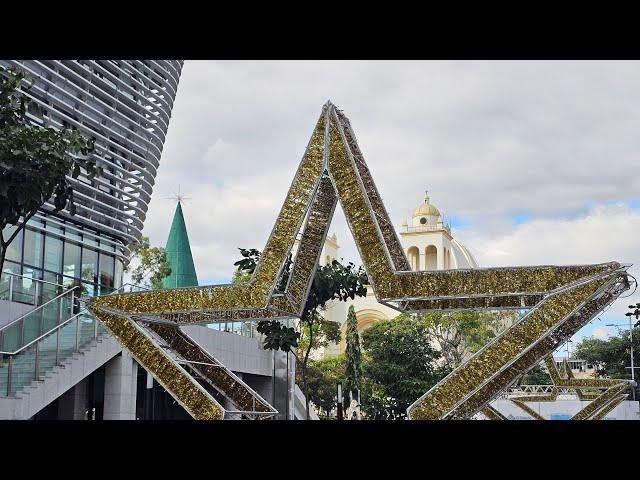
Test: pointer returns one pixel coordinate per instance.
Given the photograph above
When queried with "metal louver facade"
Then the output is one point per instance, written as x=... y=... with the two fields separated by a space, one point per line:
x=126 y=106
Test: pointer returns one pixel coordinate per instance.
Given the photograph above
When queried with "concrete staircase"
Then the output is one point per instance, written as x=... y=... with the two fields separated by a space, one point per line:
x=33 y=397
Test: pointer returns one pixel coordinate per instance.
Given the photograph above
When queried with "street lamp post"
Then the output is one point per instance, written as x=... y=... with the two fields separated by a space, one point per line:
x=635 y=313
x=339 y=402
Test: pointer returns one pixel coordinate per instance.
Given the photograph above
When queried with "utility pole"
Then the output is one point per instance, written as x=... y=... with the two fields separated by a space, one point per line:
x=635 y=313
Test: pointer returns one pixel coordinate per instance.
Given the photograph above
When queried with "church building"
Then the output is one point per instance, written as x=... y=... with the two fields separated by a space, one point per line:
x=429 y=245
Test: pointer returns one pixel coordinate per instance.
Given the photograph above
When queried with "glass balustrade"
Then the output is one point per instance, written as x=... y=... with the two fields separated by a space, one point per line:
x=27 y=290
x=19 y=369
x=63 y=331
x=37 y=322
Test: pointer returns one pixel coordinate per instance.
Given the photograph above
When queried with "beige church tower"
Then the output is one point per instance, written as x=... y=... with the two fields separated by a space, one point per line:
x=428 y=244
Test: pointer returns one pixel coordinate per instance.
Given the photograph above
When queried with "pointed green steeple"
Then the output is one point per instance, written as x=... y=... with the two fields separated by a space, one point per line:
x=183 y=272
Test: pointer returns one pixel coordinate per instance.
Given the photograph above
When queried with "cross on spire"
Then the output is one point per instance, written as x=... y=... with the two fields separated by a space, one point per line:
x=179 y=197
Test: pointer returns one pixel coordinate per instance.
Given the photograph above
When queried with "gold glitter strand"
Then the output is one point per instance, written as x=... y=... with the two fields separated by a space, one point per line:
x=173 y=378
x=563 y=298
x=492 y=414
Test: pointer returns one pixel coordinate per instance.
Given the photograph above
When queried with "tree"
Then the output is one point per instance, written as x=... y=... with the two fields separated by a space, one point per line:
x=151 y=265
x=35 y=161
x=353 y=356
x=400 y=365
x=334 y=281
x=459 y=334
x=611 y=356
x=323 y=376
x=536 y=376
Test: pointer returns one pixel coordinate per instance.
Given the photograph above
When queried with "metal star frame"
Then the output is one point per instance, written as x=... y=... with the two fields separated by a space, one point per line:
x=606 y=394
x=562 y=299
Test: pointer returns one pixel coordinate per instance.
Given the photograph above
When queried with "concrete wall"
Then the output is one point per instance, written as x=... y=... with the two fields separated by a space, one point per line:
x=120 y=381
x=237 y=353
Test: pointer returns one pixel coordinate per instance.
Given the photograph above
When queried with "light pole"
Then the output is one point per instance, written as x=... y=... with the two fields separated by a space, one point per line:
x=339 y=402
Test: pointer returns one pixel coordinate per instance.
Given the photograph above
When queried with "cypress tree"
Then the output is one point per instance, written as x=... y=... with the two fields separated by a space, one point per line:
x=353 y=357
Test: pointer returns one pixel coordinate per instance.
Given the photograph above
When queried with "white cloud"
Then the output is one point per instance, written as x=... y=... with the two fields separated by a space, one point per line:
x=602 y=333
x=556 y=140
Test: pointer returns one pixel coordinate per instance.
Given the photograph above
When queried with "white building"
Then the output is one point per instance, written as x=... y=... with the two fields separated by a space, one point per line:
x=429 y=244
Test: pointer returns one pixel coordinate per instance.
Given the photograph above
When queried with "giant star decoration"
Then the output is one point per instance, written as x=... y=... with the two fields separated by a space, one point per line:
x=562 y=299
x=606 y=394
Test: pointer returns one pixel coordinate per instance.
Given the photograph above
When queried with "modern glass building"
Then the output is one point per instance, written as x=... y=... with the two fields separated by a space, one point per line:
x=125 y=105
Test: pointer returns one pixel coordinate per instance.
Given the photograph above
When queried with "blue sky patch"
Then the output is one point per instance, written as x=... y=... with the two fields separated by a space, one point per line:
x=521 y=218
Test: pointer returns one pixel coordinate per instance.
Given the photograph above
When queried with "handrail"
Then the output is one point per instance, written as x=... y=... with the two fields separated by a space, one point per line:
x=130 y=285
x=31 y=278
x=60 y=325
x=37 y=308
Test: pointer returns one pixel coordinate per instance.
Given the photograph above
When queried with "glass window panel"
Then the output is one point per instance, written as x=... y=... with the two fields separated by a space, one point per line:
x=71 y=233
x=71 y=259
x=89 y=265
x=26 y=289
x=104 y=290
x=36 y=221
x=52 y=254
x=51 y=227
x=88 y=289
x=246 y=329
x=106 y=270
x=117 y=277
x=33 y=248
x=12 y=267
x=90 y=240
x=48 y=290
x=14 y=252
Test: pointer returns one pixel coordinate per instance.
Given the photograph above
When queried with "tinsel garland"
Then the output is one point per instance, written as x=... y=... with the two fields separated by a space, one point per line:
x=332 y=168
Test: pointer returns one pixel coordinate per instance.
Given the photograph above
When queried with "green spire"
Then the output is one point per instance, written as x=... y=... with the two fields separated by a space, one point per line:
x=183 y=272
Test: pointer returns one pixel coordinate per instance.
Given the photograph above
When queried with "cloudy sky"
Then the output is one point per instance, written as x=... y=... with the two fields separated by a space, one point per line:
x=530 y=162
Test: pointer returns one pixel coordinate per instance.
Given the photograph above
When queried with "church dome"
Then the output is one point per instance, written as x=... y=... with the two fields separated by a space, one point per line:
x=425 y=208
x=426 y=214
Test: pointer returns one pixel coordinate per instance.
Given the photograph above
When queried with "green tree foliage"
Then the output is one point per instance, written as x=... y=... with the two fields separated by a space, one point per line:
x=323 y=376
x=334 y=281
x=35 y=160
x=325 y=332
x=536 y=376
x=400 y=366
x=613 y=355
x=278 y=336
x=151 y=265
x=459 y=334
x=353 y=356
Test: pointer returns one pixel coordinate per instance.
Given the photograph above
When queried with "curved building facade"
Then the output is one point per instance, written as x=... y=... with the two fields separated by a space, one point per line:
x=125 y=105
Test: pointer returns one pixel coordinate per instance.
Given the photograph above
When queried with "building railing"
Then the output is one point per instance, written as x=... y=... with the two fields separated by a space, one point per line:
x=426 y=228
x=244 y=329
x=27 y=290
x=31 y=361
x=32 y=324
